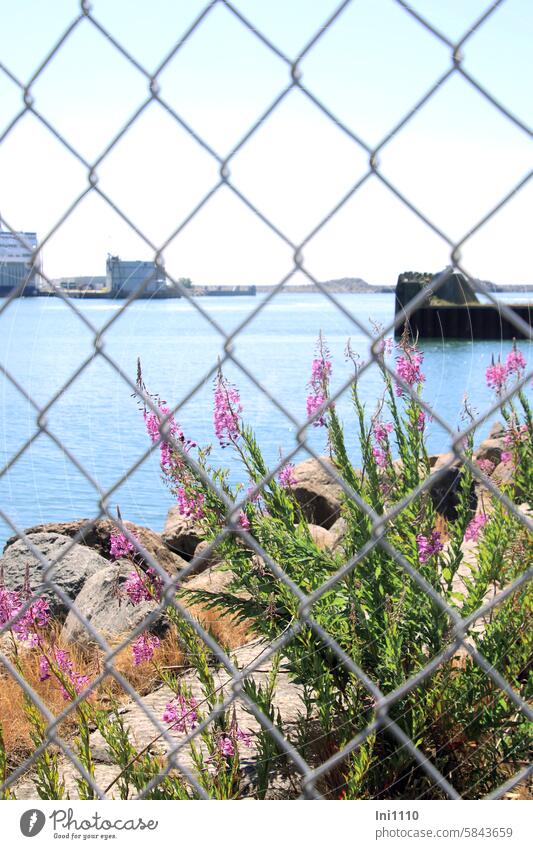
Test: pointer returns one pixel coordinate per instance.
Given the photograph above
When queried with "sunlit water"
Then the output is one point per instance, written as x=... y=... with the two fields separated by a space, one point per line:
x=43 y=343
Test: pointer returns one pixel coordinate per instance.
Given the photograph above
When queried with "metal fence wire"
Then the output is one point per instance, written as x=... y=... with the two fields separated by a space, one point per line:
x=309 y=775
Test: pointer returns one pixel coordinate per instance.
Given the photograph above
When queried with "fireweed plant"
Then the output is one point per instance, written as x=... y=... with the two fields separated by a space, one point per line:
x=374 y=612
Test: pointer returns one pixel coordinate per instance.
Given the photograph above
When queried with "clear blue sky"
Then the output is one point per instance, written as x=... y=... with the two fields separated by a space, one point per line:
x=455 y=160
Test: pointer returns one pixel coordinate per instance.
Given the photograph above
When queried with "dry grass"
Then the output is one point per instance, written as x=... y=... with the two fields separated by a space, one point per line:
x=144 y=678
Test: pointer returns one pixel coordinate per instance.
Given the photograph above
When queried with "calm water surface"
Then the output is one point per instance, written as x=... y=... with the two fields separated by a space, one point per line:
x=43 y=344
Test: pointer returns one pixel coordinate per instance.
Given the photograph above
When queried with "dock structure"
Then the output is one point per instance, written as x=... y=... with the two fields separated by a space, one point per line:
x=454 y=311
x=20 y=265
x=126 y=277
x=228 y=291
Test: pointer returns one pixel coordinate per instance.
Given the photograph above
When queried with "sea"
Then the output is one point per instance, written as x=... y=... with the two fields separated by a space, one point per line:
x=72 y=432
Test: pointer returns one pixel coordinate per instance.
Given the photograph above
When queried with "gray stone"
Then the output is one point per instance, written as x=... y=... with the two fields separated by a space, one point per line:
x=72 y=570
x=105 y=605
x=490 y=449
x=143 y=731
x=96 y=534
x=317 y=492
x=181 y=534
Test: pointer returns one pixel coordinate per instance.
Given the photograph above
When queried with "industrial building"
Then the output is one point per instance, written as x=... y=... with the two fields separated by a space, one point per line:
x=19 y=265
x=125 y=277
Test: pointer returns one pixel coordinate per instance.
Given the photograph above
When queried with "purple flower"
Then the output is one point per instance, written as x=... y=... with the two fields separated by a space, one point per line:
x=227 y=411
x=44 y=668
x=143 y=586
x=428 y=546
x=225 y=746
x=486 y=466
x=181 y=713
x=190 y=503
x=318 y=385
x=506 y=456
x=515 y=362
x=475 y=526
x=313 y=403
x=496 y=376
x=244 y=521
x=380 y=456
x=36 y=616
x=143 y=648
x=65 y=665
x=120 y=546
x=286 y=476
x=408 y=368
x=381 y=430
x=421 y=421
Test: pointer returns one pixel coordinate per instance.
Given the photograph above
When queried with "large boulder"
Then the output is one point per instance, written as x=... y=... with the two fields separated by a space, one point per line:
x=73 y=568
x=317 y=492
x=97 y=536
x=444 y=490
x=181 y=534
x=323 y=539
x=103 y=602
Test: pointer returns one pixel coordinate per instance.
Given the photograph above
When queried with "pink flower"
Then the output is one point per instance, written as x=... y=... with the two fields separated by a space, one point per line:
x=36 y=617
x=44 y=668
x=318 y=385
x=228 y=409
x=286 y=476
x=225 y=746
x=244 y=521
x=9 y=604
x=408 y=368
x=515 y=362
x=506 y=456
x=64 y=663
x=120 y=546
x=486 y=466
x=381 y=430
x=380 y=456
x=143 y=648
x=313 y=403
x=496 y=375
x=428 y=546
x=475 y=526
x=143 y=586
x=421 y=421
x=190 y=503
x=181 y=713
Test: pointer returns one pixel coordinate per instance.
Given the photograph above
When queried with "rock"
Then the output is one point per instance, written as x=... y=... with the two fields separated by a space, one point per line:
x=497 y=430
x=212 y=580
x=74 y=568
x=323 y=539
x=142 y=730
x=181 y=534
x=437 y=461
x=490 y=449
x=444 y=491
x=339 y=530
x=105 y=605
x=202 y=562
x=504 y=475
x=317 y=492
x=97 y=537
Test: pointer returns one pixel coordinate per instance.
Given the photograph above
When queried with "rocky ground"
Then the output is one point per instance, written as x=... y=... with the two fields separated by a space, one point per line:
x=87 y=576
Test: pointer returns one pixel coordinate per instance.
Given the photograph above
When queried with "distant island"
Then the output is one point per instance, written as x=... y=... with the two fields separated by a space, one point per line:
x=351 y=285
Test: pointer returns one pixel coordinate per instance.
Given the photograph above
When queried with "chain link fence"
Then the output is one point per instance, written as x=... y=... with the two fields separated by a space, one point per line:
x=235 y=676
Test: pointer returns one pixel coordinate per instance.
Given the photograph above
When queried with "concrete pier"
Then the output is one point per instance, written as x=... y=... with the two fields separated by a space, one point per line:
x=455 y=312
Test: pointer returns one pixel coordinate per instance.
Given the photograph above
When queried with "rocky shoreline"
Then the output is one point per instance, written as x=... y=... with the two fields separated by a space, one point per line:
x=86 y=575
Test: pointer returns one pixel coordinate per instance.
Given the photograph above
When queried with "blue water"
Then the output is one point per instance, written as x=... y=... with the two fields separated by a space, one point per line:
x=43 y=343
